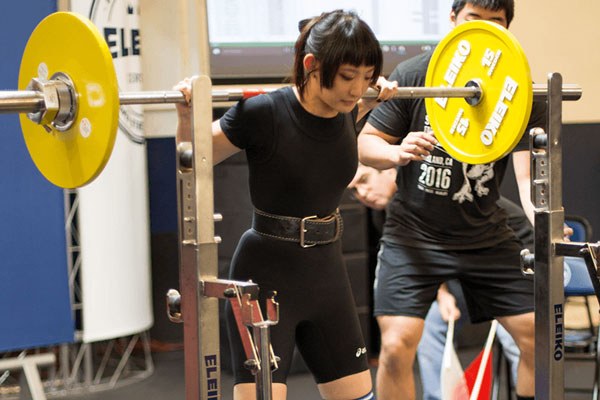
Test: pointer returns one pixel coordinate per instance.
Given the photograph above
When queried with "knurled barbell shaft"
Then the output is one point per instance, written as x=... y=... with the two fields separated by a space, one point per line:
x=234 y=95
x=21 y=101
x=28 y=101
x=570 y=92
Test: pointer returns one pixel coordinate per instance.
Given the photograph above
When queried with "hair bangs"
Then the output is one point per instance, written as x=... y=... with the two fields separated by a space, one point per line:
x=355 y=45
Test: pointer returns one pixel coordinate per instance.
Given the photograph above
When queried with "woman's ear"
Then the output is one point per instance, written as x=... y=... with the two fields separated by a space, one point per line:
x=310 y=64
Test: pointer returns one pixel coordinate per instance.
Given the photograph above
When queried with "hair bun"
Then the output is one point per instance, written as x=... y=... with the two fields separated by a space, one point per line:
x=302 y=23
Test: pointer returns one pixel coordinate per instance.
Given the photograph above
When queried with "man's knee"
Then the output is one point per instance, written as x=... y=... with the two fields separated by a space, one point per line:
x=398 y=351
x=527 y=349
x=399 y=339
x=526 y=339
x=521 y=327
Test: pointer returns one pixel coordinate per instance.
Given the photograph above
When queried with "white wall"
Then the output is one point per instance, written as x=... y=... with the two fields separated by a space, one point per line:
x=171 y=50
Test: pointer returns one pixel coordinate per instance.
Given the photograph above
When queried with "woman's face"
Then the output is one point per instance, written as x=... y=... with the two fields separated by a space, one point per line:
x=349 y=85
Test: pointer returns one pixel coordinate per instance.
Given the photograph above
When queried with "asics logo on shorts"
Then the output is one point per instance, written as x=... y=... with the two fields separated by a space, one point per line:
x=361 y=350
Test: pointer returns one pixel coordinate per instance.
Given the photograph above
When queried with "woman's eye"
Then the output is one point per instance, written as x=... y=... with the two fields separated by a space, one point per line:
x=346 y=77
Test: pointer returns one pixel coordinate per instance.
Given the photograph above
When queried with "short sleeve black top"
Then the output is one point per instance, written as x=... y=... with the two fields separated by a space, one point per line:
x=299 y=164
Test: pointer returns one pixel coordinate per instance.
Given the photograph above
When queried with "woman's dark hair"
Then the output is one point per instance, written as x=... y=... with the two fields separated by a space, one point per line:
x=507 y=5
x=335 y=38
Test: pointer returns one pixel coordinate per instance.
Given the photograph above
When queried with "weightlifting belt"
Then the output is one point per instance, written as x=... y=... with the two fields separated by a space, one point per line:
x=307 y=231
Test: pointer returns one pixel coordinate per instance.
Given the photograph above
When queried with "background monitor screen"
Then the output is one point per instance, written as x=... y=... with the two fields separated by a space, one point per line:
x=254 y=39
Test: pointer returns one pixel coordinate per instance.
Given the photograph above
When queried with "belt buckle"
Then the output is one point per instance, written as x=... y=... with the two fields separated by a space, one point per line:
x=303 y=231
x=338 y=224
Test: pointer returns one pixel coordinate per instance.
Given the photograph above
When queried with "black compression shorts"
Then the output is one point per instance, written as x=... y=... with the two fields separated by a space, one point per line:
x=317 y=311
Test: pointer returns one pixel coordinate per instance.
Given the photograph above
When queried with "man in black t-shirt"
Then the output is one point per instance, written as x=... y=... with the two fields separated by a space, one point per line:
x=442 y=229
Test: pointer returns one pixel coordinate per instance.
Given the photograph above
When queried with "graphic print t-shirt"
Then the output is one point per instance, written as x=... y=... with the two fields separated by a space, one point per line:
x=442 y=203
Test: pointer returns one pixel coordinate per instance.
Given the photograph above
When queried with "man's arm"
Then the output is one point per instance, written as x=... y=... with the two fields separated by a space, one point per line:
x=522 y=166
x=375 y=148
x=522 y=169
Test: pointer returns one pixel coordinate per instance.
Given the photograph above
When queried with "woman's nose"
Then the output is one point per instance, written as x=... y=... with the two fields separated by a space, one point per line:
x=358 y=88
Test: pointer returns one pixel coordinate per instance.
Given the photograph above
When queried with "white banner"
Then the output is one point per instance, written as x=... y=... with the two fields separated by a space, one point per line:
x=113 y=210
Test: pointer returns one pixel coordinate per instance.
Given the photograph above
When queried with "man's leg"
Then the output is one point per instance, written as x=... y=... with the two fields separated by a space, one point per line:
x=400 y=336
x=522 y=329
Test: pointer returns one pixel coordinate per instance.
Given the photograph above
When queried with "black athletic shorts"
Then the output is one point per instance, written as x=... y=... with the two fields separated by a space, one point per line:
x=407 y=280
x=317 y=311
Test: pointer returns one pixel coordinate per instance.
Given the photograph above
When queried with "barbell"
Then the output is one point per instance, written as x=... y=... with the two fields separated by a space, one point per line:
x=478 y=95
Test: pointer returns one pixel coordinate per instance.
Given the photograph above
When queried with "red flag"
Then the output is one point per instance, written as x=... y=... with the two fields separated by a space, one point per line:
x=486 y=382
x=479 y=373
x=476 y=381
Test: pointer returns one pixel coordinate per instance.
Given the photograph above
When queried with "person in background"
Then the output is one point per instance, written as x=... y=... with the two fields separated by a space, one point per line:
x=434 y=233
x=374 y=189
x=451 y=301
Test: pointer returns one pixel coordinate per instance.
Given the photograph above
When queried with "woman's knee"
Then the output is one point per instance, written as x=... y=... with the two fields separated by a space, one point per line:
x=355 y=386
x=247 y=391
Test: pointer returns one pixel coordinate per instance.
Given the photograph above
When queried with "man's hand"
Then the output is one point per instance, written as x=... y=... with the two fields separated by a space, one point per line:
x=567 y=232
x=415 y=147
x=447 y=304
x=387 y=90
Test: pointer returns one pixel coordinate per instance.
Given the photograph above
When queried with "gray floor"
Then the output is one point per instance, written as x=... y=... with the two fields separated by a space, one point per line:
x=167 y=381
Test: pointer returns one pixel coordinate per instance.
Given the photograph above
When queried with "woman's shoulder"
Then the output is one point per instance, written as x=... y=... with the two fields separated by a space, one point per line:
x=255 y=106
x=284 y=93
x=267 y=101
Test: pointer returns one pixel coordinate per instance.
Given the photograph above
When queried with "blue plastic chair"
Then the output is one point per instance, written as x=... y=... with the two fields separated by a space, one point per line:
x=581 y=344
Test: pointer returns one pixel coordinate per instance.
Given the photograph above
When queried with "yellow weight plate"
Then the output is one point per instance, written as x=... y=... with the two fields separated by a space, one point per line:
x=71 y=44
x=489 y=54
